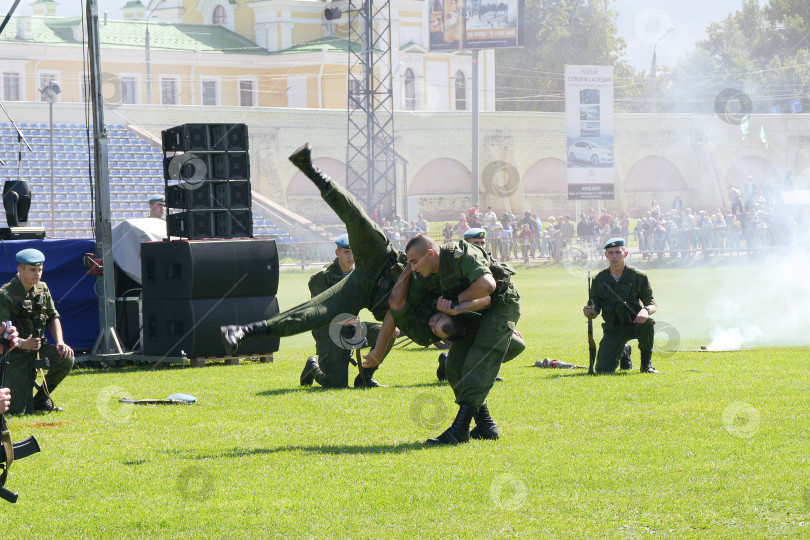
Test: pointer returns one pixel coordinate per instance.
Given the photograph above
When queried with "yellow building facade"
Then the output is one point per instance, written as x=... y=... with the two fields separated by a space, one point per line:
x=268 y=53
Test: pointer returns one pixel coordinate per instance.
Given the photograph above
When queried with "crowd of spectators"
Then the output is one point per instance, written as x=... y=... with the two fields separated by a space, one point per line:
x=755 y=219
x=399 y=231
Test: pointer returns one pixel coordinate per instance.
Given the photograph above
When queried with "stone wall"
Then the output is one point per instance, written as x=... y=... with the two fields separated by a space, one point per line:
x=707 y=153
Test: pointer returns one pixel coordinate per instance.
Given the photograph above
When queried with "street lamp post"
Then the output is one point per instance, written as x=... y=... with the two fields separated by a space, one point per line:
x=653 y=70
x=49 y=93
x=148 y=65
x=148 y=51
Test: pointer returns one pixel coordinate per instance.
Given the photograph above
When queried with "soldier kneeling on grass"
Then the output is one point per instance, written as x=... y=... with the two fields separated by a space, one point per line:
x=624 y=297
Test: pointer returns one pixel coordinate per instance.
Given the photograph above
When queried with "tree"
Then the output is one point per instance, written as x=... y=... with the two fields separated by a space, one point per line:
x=761 y=51
x=559 y=32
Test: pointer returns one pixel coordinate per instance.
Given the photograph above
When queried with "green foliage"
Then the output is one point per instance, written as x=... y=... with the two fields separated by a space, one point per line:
x=559 y=32
x=760 y=50
x=580 y=457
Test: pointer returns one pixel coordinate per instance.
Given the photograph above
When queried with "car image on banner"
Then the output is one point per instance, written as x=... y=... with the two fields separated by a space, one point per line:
x=590 y=154
x=589 y=129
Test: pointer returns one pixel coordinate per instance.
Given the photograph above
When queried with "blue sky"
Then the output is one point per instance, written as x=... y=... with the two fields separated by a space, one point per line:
x=639 y=23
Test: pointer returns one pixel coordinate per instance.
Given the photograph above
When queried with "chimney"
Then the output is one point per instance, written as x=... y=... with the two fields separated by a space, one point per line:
x=134 y=10
x=45 y=7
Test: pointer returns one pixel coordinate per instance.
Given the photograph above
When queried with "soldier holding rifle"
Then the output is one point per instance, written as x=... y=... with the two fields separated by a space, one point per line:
x=622 y=294
x=27 y=302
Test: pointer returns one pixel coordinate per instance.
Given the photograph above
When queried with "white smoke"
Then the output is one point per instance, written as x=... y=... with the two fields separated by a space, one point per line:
x=762 y=303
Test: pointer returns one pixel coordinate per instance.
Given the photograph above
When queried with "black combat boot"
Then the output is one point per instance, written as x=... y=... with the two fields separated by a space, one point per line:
x=459 y=431
x=369 y=379
x=232 y=335
x=646 y=362
x=485 y=427
x=302 y=158
x=310 y=369
x=626 y=362
x=43 y=403
x=441 y=374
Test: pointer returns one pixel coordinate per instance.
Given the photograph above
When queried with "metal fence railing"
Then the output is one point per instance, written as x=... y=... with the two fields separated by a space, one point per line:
x=305 y=253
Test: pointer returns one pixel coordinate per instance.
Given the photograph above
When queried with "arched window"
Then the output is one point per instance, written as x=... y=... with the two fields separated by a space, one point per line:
x=410 y=90
x=219 y=15
x=461 y=92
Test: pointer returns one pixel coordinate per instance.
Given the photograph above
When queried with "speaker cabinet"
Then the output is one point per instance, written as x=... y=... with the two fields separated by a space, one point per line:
x=199 y=224
x=205 y=137
x=193 y=168
x=209 y=268
x=172 y=327
x=210 y=195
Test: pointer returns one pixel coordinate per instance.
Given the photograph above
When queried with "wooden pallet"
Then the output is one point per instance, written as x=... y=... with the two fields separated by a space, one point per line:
x=113 y=360
x=199 y=361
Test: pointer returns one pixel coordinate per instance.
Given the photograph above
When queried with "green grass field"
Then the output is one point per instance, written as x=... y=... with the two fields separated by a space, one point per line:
x=713 y=446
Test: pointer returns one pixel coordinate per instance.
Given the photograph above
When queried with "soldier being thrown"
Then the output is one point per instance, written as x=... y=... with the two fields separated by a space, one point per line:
x=330 y=368
x=623 y=295
x=377 y=267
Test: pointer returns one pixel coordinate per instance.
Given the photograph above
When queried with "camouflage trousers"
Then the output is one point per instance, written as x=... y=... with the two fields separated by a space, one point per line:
x=18 y=373
x=611 y=347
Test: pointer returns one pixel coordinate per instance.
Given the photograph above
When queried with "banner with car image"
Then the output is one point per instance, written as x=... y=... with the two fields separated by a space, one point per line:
x=589 y=132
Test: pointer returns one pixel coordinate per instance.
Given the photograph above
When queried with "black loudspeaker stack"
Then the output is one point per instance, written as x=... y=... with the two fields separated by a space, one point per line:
x=191 y=288
x=206 y=168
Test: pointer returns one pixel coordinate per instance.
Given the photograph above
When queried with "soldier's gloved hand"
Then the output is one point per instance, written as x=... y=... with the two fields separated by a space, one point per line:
x=31 y=344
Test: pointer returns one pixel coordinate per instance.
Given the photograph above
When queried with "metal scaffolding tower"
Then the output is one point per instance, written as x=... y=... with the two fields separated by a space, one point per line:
x=371 y=158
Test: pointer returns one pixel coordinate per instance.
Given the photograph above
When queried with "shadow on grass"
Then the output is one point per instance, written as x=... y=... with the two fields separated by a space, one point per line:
x=434 y=384
x=308 y=448
x=285 y=391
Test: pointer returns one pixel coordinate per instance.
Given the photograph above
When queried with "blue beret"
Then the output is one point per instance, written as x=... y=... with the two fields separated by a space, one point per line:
x=30 y=256
x=475 y=233
x=342 y=241
x=614 y=242
x=156 y=198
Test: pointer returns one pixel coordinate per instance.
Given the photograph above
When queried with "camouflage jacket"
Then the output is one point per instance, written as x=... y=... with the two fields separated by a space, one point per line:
x=633 y=287
x=30 y=311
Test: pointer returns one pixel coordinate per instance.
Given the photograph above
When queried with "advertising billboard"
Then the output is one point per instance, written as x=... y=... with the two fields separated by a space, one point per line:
x=589 y=132
x=475 y=24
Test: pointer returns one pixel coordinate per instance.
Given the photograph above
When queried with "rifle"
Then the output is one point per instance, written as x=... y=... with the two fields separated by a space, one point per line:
x=26 y=448
x=591 y=342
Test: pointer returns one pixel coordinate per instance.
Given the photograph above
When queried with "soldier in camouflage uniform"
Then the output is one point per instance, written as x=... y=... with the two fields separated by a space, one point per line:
x=414 y=313
x=622 y=294
x=460 y=273
x=377 y=267
x=330 y=368
x=27 y=302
